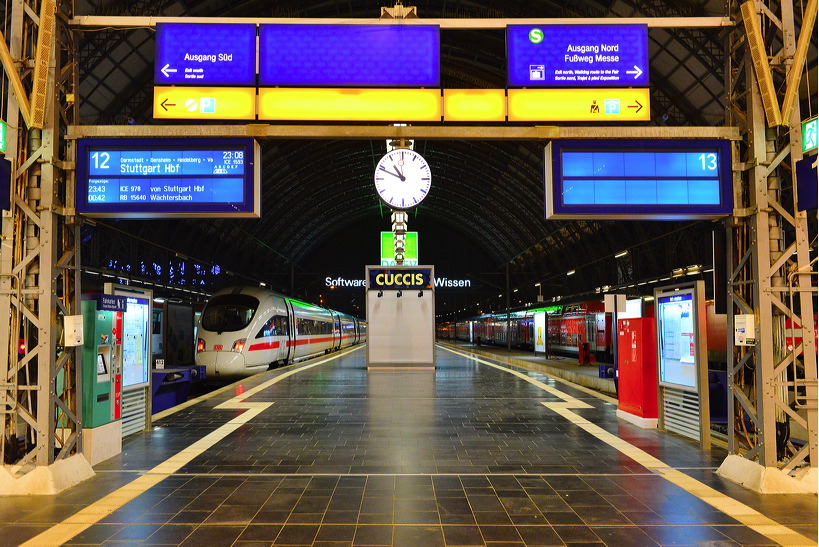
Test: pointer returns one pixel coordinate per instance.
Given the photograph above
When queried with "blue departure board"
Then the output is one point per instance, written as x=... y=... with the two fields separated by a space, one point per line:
x=350 y=55
x=638 y=179
x=148 y=178
x=577 y=55
x=203 y=54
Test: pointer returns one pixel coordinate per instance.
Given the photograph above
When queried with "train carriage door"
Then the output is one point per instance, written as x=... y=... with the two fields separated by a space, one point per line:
x=337 y=330
x=291 y=333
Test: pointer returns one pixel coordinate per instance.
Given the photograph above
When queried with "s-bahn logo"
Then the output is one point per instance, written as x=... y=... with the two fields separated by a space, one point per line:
x=420 y=278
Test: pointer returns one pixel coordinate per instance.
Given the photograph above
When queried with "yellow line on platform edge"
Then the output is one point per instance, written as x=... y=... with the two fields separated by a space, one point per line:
x=87 y=517
x=748 y=516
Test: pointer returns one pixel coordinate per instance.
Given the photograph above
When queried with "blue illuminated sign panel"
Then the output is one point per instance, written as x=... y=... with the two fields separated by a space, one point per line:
x=203 y=54
x=349 y=55
x=146 y=178
x=661 y=180
x=577 y=55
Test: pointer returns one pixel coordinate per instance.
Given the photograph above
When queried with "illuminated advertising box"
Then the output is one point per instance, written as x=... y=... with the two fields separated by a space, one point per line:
x=632 y=179
x=388 y=249
x=577 y=55
x=153 y=178
x=350 y=55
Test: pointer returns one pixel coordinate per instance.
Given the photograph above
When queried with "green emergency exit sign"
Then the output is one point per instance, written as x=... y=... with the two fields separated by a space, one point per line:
x=810 y=136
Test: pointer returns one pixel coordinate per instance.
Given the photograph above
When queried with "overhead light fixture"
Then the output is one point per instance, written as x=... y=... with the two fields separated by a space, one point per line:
x=678 y=272
x=537 y=284
x=621 y=254
x=570 y=272
x=648 y=298
x=694 y=269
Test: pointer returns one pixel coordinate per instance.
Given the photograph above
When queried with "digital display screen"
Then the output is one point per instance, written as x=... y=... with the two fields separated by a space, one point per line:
x=147 y=178
x=350 y=55
x=577 y=55
x=205 y=54
x=675 y=331
x=661 y=180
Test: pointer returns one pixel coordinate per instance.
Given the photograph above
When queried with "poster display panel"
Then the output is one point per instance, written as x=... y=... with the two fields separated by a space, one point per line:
x=676 y=339
x=136 y=338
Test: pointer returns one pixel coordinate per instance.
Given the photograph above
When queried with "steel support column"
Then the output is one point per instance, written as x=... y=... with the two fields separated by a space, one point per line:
x=39 y=278
x=773 y=383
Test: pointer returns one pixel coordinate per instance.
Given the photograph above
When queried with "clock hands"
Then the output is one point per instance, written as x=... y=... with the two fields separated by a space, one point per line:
x=400 y=175
x=396 y=174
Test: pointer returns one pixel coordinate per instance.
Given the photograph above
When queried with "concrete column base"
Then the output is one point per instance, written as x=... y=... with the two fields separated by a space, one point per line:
x=645 y=423
x=45 y=480
x=103 y=442
x=768 y=480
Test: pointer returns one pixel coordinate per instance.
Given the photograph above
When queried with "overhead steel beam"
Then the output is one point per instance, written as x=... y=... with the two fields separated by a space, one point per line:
x=487 y=23
x=481 y=133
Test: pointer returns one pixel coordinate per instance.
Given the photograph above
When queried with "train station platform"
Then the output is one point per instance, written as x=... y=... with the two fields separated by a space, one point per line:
x=477 y=452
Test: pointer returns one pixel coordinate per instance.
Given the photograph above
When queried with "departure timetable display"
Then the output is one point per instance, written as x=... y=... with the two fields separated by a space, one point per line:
x=638 y=179
x=149 y=178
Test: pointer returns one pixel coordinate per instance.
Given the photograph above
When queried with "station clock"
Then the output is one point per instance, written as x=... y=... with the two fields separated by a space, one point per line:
x=402 y=179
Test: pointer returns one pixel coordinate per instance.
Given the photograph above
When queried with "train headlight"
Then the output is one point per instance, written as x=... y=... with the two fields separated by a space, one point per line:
x=239 y=345
x=200 y=345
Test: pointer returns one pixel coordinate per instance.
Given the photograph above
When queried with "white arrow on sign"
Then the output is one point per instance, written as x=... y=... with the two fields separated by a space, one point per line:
x=166 y=70
x=636 y=72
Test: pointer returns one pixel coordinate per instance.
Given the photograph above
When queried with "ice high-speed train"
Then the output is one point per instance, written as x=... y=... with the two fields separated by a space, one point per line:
x=245 y=330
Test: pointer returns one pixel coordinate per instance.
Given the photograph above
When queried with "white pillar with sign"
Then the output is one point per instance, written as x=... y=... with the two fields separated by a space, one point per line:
x=400 y=317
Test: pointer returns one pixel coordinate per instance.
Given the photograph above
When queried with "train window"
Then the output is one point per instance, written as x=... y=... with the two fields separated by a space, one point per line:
x=156 y=322
x=312 y=326
x=275 y=326
x=229 y=312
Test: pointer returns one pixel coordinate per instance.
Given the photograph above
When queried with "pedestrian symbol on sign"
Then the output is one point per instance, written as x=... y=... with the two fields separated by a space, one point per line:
x=810 y=134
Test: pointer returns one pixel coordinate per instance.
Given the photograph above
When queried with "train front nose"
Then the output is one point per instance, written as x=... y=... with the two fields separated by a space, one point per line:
x=222 y=364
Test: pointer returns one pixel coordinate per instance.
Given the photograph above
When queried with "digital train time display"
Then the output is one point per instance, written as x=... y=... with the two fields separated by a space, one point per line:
x=150 y=178
x=628 y=179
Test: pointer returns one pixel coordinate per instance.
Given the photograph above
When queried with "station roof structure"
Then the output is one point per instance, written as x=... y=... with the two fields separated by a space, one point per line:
x=484 y=214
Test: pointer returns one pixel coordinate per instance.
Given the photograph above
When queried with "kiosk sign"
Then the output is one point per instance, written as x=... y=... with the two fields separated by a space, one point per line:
x=413 y=278
x=577 y=55
x=205 y=54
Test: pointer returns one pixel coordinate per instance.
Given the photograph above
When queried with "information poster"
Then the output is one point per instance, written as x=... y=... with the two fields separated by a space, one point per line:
x=136 y=335
x=677 y=350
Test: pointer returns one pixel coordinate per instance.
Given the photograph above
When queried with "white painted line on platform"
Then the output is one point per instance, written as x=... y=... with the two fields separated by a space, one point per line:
x=731 y=507
x=87 y=517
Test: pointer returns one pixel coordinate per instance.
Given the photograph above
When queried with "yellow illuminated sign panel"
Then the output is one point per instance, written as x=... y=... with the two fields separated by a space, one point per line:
x=579 y=105
x=205 y=103
x=376 y=105
x=475 y=105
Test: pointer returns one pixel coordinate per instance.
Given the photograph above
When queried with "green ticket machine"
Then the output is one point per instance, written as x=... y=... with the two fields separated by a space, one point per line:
x=102 y=376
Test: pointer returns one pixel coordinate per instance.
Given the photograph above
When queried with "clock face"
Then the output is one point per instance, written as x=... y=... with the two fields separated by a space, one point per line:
x=402 y=178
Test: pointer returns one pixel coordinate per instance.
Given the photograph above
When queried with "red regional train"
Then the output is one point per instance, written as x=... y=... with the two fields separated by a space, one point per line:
x=246 y=330
x=568 y=327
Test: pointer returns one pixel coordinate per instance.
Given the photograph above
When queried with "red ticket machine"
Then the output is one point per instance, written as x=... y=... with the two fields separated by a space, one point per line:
x=637 y=367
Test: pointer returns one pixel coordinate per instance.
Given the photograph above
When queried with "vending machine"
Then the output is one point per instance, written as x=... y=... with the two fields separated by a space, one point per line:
x=102 y=376
x=637 y=367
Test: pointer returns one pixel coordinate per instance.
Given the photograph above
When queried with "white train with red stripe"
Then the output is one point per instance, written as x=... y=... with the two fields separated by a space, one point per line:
x=245 y=330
